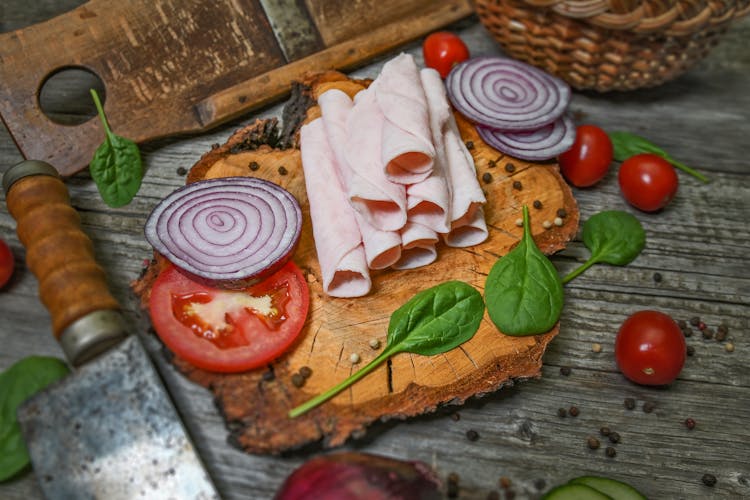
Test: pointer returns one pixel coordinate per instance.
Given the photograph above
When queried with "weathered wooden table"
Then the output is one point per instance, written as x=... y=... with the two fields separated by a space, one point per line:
x=694 y=265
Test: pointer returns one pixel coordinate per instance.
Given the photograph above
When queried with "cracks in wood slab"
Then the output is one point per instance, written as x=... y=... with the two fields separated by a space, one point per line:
x=389 y=368
x=455 y=373
x=341 y=353
x=468 y=356
x=315 y=337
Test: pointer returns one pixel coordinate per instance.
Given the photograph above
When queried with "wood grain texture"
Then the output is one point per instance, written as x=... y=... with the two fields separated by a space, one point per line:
x=373 y=39
x=698 y=245
x=157 y=60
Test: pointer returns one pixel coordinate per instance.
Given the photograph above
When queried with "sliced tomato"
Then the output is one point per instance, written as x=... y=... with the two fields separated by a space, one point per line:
x=229 y=330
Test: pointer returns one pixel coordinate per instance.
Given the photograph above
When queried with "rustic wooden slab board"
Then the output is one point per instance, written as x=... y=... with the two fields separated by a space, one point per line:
x=172 y=67
x=255 y=404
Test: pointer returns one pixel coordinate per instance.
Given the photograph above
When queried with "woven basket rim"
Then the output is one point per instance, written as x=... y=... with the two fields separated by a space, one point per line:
x=672 y=17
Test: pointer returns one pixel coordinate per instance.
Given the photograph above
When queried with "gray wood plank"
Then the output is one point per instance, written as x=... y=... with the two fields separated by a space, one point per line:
x=698 y=245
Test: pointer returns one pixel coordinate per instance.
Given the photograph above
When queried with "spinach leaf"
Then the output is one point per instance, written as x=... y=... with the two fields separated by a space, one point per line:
x=626 y=145
x=432 y=322
x=613 y=237
x=18 y=383
x=523 y=291
x=116 y=167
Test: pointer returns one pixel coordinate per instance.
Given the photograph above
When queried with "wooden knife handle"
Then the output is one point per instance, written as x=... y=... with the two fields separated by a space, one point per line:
x=58 y=252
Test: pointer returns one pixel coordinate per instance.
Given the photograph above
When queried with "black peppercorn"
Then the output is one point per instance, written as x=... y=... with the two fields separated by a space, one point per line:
x=695 y=320
x=305 y=371
x=487 y=177
x=537 y=204
x=573 y=411
x=181 y=171
x=298 y=380
x=648 y=407
x=472 y=435
x=721 y=334
x=690 y=423
x=562 y=412
x=517 y=185
x=709 y=480
x=469 y=144
x=657 y=277
x=254 y=166
x=283 y=170
x=629 y=403
x=614 y=437
x=562 y=213
x=510 y=168
x=690 y=350
x=491 y=163
x=604 y=431
x=565 y=370
x=610 y=451
x=593 y=443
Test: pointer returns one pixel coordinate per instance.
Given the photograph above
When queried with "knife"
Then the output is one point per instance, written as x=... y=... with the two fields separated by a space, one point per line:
x=109 y=430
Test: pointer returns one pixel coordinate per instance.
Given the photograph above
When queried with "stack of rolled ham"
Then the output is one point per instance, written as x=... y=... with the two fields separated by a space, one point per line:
x=388 y=176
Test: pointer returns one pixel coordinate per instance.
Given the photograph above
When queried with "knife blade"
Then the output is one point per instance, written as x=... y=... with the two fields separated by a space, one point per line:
x=293 y=28
x=109 y=430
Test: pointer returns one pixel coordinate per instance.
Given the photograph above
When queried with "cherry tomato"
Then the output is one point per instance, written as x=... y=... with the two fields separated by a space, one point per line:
x=647 y=181
x=442 y=50
x=7 y=263
x=588 y=159
x=650 y=348
x=229 y=330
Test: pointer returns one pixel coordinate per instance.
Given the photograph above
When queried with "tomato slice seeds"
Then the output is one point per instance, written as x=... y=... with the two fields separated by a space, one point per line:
x=229 y=330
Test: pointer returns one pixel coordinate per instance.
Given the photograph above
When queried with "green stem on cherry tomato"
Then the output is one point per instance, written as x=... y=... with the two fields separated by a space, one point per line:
x=627 y=144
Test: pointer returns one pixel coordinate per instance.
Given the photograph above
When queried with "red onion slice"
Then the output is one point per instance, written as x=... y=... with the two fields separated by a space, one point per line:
x=535 y=145
x=506 y=94
x=229 y=232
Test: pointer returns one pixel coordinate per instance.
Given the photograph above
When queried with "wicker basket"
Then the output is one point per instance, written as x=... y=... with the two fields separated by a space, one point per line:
x=608 y=45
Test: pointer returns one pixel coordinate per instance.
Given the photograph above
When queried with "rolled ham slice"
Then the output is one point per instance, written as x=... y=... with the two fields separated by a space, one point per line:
x=354 y=134
x=338 y=241
x=467 y=197
x=382 y=248
x=407 y=149
x=429 y=200
x=466 y=216
x=469 y=231
x=418 y=246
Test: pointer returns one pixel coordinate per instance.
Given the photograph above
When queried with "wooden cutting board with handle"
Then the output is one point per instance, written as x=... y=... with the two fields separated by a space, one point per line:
x=183 y=66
